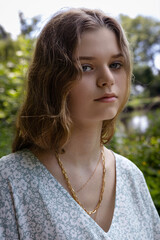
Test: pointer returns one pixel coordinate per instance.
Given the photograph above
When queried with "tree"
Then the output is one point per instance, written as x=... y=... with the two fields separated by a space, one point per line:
x=144 y=77
x=144 y=35
x=3 y=33
x=28 y=26
x=6 y=45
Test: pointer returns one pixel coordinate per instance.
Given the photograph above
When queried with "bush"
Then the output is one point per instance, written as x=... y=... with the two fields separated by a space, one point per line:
x=144 y=150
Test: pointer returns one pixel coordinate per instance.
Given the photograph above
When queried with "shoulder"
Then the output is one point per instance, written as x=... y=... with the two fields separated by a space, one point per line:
x=133 y=191
x=12 y=158
x=130 y=178
x=129 y=174
x=15 y=163
x=9 y=158
x=126 y=165
x=8 y=163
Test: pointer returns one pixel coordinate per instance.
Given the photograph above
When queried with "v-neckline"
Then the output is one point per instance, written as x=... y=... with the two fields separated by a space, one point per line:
x=115 y=204
x=71 y=198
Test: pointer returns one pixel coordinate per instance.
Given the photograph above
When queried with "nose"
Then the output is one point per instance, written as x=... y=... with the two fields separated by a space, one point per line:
x=105 y=78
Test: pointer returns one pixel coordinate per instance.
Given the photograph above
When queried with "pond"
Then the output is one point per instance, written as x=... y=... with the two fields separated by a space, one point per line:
x=139 y=121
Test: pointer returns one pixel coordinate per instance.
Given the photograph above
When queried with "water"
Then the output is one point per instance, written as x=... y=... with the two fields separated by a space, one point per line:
x=140 y=123
x=134 y=121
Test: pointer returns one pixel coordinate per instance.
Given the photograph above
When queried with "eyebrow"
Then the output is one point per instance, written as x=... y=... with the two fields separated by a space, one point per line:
x=118 y=55
x=93 y=58
x=86 y=58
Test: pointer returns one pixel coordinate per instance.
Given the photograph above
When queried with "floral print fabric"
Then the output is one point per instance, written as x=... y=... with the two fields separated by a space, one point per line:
x=34 y=205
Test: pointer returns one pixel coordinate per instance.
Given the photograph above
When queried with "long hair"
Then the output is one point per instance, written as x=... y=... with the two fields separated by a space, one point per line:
x=44 y=120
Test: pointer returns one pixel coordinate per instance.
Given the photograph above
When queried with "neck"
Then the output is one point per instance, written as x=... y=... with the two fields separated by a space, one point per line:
x=84 y=145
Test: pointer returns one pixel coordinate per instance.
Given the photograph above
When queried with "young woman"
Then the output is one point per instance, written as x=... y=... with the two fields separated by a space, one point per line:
x=61 y=182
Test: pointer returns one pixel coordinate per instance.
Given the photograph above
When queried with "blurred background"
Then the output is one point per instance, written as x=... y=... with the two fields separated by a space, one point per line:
x=138 y=130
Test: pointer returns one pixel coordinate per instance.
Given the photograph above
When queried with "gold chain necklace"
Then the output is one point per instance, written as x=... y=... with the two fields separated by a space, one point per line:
x=90 y=176
x=72 y=190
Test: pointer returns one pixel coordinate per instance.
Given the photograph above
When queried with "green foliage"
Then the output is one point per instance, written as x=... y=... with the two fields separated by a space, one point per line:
x=13 y=71
x=144 y=37
x=144 y=150
x=145 y=78
x=143 y=75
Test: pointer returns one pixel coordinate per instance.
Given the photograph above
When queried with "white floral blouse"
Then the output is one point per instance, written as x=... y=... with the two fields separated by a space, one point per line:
x=33 y=205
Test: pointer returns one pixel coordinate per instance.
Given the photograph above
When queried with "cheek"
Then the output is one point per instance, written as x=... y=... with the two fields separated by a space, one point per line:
x=123 y=90
x=122 y=83
x=81 y=92
x=76 y=97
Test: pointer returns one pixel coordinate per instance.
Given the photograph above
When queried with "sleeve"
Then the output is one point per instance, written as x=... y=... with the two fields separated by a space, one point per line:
x=8 y=224
x=153 y=217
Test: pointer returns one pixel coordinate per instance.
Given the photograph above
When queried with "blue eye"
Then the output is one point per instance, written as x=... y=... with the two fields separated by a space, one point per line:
x=86 y=68
x=116 y=65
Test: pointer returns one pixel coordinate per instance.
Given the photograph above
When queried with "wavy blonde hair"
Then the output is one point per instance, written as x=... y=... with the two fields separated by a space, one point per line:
x=44 y=120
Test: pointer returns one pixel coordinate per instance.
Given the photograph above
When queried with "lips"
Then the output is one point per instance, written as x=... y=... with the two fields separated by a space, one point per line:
x=107 y=97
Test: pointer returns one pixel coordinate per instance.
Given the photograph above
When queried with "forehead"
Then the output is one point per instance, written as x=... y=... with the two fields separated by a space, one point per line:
x=98 y=42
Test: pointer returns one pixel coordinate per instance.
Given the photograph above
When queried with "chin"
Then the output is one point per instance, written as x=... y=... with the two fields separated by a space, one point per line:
x=108 y=119
x=110 y=116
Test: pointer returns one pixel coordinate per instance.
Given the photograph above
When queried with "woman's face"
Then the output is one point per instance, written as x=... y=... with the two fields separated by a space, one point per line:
x=100 y=92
